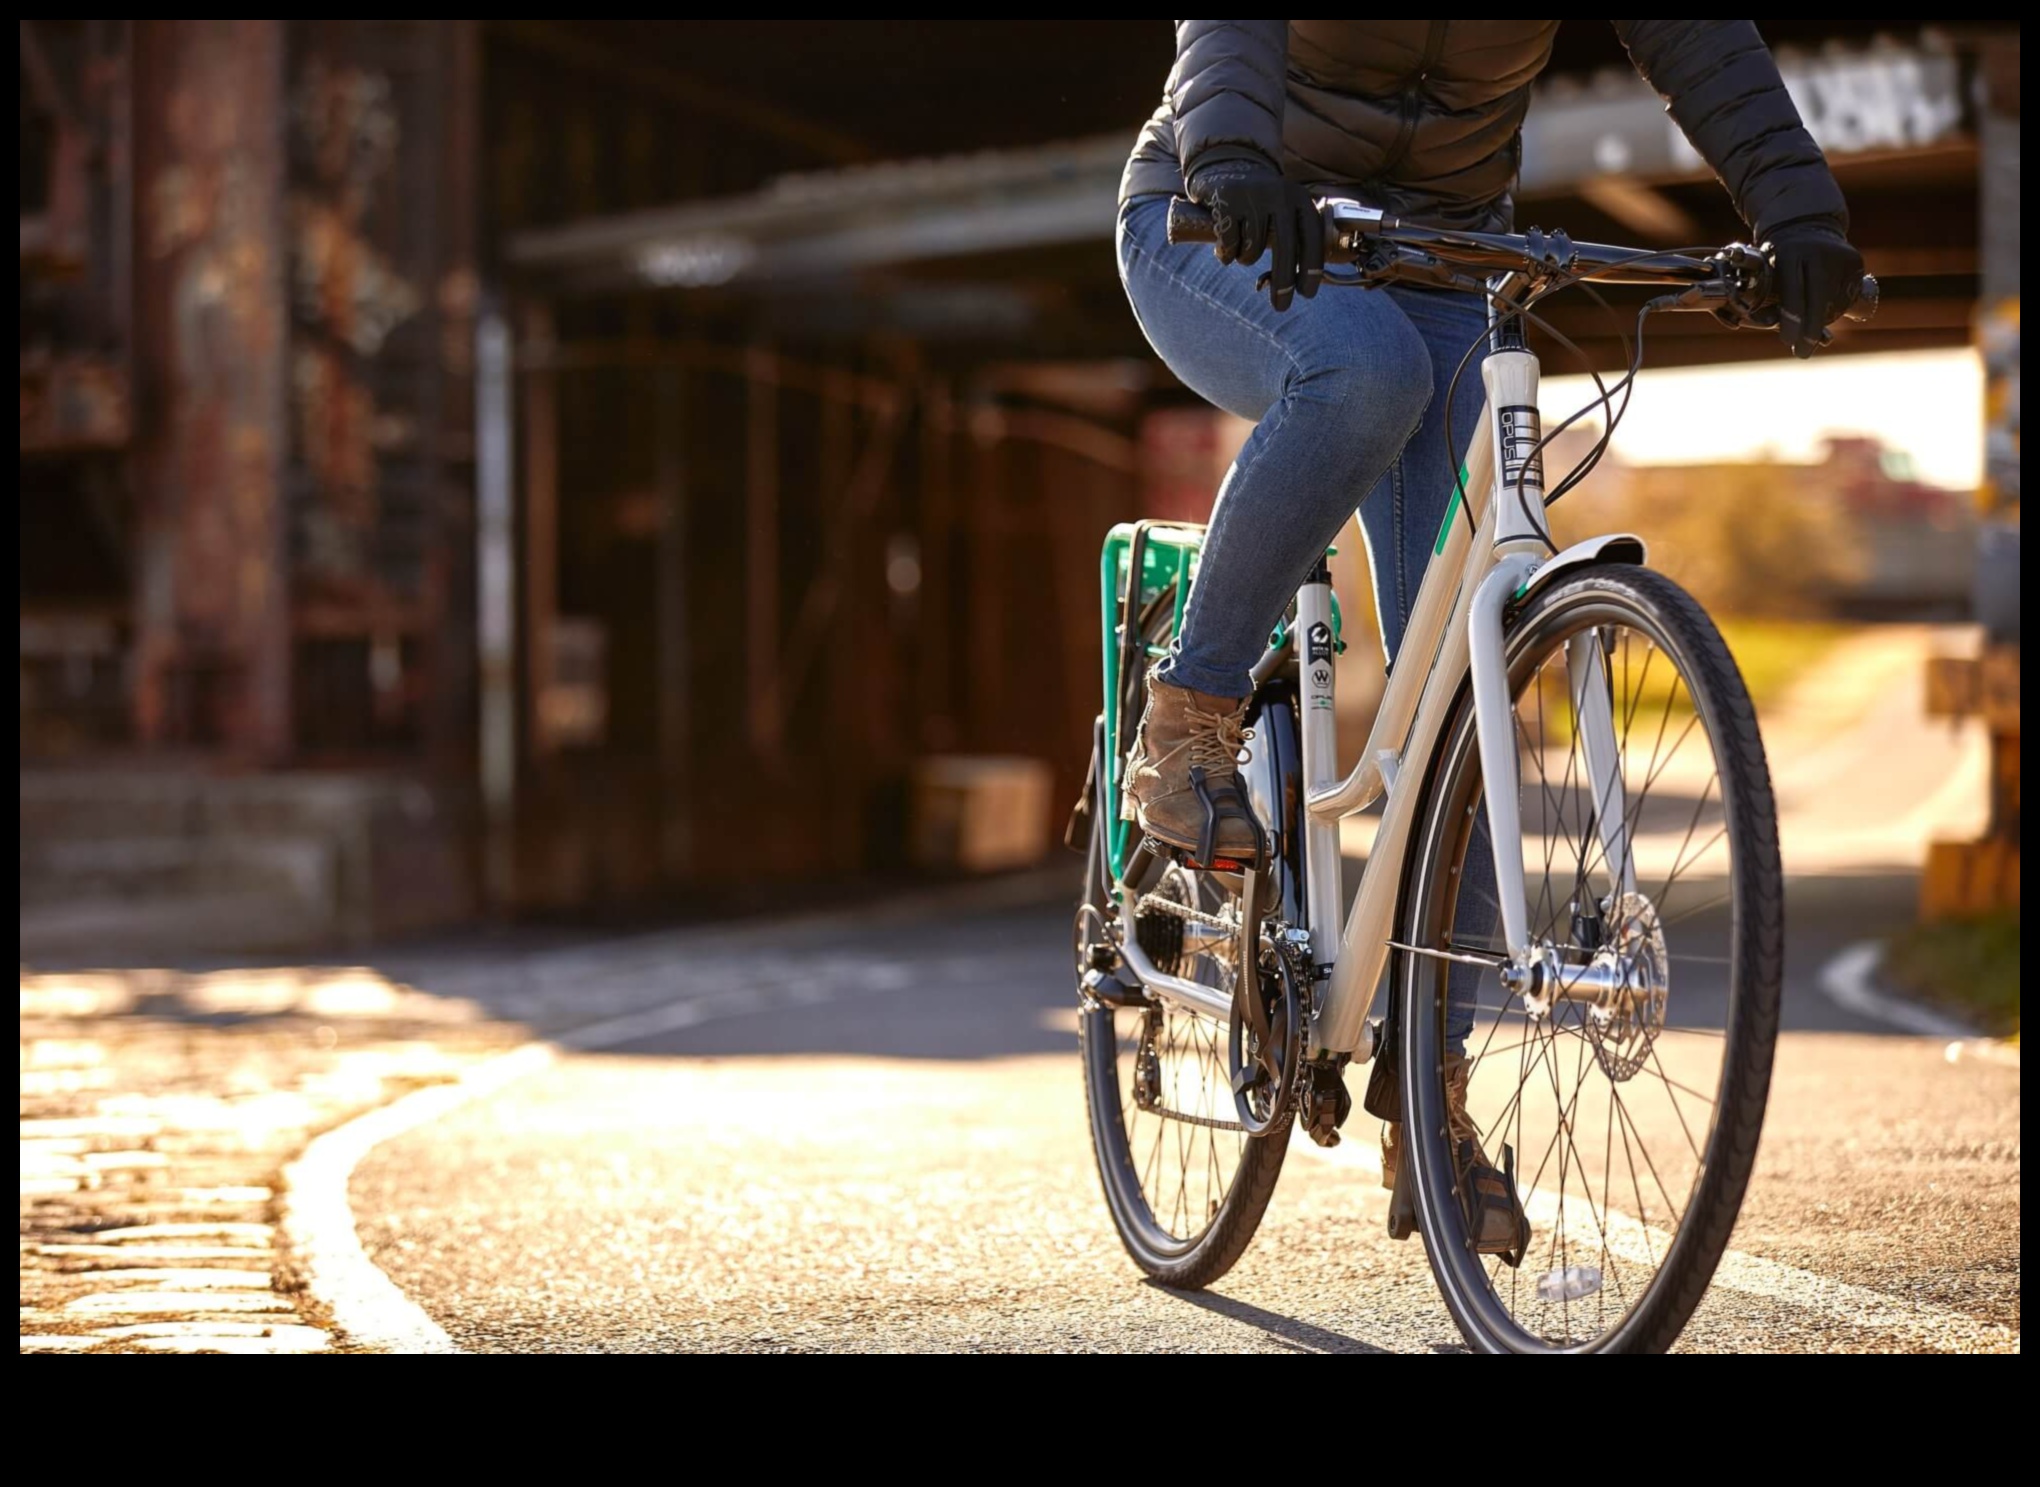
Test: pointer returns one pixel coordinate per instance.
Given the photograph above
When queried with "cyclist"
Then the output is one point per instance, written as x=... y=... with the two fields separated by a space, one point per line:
x=1422 y=119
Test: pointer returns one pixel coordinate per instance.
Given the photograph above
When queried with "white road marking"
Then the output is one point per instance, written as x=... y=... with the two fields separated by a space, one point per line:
x=366 y=1304
x=318 y=1220
x=1849 y=981
x=1922 y=1323
x=370 y=1310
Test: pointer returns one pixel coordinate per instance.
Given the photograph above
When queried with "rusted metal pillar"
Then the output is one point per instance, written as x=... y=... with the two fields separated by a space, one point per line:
x=761 y=550
x=212 y=620
x=540 y=568
x=496 y=601
x=676 y=809
x=935 y=710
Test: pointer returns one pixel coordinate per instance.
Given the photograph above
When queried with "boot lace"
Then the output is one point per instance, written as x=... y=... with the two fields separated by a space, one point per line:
x=1215 y=741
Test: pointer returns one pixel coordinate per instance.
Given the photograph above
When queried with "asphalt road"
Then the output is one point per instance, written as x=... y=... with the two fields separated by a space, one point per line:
x=869 y=1136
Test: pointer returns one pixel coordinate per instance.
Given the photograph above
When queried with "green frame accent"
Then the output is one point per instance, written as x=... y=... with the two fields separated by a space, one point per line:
x=1170 y=557
x=1451 y=510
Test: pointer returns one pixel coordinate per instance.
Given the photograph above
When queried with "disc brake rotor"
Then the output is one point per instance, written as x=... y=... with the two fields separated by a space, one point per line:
x=1623 y=1024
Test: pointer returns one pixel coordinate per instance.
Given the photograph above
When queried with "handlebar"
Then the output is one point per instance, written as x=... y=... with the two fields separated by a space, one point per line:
x=1734 y=281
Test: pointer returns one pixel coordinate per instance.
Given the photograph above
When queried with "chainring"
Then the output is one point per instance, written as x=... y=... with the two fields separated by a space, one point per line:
x=1266 y=1076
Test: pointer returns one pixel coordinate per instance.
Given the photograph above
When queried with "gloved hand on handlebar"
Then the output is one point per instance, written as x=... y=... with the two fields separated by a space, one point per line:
x=1815 y=272
x=1254 y=207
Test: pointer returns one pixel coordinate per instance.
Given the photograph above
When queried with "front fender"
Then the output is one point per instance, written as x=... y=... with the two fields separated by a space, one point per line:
x=1614 y=547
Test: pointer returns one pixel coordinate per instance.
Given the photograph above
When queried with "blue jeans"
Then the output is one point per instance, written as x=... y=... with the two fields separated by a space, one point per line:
x=1348 y=392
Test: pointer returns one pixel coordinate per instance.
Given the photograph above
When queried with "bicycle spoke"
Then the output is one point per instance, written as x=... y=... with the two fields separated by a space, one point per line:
x=1693 y=909
x=1578 y=916
x=1670 y=1087
x=1608 y=1265
x=1683 y=1089
x=1186 y=1147
x=1635 y=1187
x=1678 y=1211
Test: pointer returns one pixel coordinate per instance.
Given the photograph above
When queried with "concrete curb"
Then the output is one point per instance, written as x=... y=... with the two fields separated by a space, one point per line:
x=318 y=1220
x=1849 y=980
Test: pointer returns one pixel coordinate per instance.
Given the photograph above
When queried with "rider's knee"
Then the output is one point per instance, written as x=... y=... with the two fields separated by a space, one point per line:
x=1382 y=378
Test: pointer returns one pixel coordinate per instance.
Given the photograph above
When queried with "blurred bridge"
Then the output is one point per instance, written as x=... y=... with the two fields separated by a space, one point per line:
x=1006 y=244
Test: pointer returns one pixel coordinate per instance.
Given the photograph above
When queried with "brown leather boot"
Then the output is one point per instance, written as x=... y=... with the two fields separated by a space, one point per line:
x=1457 y=1072
x=1182 y=781
x=1495 y=1215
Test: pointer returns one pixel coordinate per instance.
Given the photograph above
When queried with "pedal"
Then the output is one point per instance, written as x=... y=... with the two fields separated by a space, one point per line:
x=1494 y=1217
x=1383 y=1099
x=1188 y=861
x=1326 y=1104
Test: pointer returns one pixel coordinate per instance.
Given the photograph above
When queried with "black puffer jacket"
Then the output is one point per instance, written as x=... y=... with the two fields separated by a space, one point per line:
x=1424 y=118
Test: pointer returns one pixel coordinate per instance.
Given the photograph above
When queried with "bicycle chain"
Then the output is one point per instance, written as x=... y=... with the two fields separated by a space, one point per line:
x=1299 y=967
x=1154 y=903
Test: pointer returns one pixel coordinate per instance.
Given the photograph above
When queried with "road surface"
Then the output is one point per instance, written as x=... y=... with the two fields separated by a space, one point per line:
x=870 y=1137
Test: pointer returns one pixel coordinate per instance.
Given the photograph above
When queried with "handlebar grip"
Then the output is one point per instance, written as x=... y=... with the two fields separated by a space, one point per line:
x=1865 y=303
x=1191 y=223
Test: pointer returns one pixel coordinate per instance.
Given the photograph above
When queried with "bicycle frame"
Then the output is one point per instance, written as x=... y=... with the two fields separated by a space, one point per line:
x=1455 y=633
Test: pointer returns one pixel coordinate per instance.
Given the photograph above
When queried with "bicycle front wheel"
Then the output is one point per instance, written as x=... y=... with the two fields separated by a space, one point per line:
x=1620 y=1094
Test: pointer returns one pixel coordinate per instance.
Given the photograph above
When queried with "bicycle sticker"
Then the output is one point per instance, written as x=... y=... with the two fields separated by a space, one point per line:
x=1317 y=659
x=1522 y=461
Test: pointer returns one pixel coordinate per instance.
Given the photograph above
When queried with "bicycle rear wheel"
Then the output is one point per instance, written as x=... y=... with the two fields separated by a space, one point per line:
x=1626 y=1118
x=1185 y=1184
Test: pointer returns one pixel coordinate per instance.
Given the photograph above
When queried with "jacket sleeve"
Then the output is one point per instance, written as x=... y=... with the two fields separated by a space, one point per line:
x=1721 y=86
x=1226 y=90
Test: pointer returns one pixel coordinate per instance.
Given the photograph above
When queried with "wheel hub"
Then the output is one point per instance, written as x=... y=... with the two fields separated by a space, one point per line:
x=1621 y=984
x=1628 y=1013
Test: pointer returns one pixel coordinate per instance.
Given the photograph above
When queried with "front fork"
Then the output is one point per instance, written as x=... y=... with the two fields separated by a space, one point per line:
x=1522 y=538
x=1495 y=722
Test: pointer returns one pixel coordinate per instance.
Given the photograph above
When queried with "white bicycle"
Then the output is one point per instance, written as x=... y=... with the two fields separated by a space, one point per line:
x=1614 y=1029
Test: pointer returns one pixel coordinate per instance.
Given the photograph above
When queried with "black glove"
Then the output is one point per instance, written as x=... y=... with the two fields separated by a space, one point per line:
x=1256 y=208
x=1815 y=273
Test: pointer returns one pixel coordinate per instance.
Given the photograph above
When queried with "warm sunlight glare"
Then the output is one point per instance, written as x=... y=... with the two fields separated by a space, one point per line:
x=1927 y=403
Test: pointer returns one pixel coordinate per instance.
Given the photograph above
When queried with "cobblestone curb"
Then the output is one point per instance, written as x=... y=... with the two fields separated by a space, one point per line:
x=158 y=1109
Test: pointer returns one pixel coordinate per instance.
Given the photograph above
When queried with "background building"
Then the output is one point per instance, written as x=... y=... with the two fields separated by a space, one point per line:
x=567 y=465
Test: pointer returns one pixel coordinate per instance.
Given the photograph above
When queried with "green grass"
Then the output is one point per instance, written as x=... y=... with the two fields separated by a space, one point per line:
x=1771 y=654
x=1971 y=966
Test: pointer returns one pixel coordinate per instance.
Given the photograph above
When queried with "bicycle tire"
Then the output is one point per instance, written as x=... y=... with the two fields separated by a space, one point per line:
x=1203 y=1252
x=1599 y=600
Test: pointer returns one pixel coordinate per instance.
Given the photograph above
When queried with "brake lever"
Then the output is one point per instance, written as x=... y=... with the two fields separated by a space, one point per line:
x=1409 y=265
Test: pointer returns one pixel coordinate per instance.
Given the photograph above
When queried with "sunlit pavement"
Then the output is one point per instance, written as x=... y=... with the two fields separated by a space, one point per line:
x=157 y=1110
x=900 y=1162
x=867 y=1133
